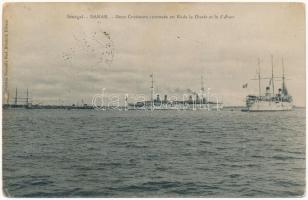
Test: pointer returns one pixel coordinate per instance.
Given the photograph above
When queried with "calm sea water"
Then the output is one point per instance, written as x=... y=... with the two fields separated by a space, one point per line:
x=84 y=153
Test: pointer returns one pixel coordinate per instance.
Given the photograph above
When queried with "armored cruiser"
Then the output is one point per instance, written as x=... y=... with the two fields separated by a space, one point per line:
x=194 y=101
x=281 y=101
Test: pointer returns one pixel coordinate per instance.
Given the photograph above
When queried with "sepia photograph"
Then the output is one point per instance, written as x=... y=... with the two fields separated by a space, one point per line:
x=153 y=100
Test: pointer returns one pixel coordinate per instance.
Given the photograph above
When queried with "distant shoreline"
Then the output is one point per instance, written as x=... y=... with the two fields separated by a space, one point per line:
x=87 y=107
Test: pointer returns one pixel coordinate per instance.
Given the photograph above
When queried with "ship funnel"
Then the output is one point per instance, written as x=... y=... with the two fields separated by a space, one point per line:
x=165 y=99
x=157 y=98
x=268 y=93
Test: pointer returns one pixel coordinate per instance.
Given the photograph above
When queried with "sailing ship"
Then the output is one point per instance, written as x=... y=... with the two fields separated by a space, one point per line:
x=281 y=101
x=194 y=101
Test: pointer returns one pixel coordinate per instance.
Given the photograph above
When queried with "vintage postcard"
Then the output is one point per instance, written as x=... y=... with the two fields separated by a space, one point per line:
x=153 y=99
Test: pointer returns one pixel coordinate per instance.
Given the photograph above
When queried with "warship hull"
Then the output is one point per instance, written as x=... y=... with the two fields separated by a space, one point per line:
x=205 y=107
x=263 y=106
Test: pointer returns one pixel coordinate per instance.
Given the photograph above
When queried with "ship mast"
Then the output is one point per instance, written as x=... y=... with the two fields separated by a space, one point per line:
x=27 y=99
x=16 y=96
x=152 y=91
x=273 y=76
x=202 y=89
x=283 y=76
x=259 y=77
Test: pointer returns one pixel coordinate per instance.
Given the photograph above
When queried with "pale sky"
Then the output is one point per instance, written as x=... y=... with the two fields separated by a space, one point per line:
x=62 y=59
